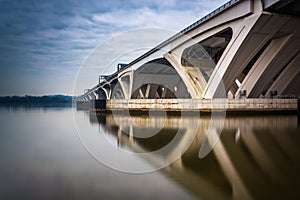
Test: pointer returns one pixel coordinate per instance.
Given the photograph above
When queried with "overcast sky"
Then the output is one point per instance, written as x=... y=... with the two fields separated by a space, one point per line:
x=44 y=43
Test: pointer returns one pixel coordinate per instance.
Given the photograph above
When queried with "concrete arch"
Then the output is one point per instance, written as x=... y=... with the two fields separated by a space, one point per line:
x=93 y=95
x=234 y=20
x=196 y=82
x=195 y=69
x=153 y=90
x=102 y=93
x=116 y=90
x=107 y=89
x=125 y=79
x=86 y=98
x=158 y=79
x=251 y=39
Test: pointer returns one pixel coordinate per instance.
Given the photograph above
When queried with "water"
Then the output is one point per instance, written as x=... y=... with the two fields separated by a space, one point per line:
x=61 y=153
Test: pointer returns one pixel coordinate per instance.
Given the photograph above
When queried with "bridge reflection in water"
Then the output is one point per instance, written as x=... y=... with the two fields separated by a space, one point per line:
x=255 y=157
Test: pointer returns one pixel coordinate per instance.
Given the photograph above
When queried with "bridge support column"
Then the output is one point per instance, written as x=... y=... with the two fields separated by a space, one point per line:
x=126 y=82
x=195 y=86
x=249 y=36
x=285 y=78
x=279 y=52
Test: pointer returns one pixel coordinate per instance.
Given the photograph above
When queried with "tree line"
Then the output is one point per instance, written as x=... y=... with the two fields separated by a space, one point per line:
x=46 y=99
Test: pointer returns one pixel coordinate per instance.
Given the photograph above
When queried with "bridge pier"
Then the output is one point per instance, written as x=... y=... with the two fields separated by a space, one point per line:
x=276 y=106
x=98 y=105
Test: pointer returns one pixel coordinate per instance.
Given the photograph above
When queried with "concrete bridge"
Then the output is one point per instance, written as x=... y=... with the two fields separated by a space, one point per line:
x=243 y=49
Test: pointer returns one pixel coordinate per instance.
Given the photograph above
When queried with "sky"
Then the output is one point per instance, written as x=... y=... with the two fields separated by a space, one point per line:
x=44 y=44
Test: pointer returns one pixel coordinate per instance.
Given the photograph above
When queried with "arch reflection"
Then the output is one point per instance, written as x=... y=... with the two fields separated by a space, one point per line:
x=256 y=157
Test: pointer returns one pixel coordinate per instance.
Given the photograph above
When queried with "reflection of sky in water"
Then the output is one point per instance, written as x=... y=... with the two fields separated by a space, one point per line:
x=42 y=158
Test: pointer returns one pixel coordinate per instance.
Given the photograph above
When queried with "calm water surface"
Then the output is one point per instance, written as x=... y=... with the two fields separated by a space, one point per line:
x=42 y=157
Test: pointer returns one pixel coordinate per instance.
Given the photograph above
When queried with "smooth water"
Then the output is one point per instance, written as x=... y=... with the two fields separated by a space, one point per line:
x=61 y=153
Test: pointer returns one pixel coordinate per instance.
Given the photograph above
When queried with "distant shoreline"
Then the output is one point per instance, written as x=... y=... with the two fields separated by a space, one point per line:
x=35 y=105
x=37 y=101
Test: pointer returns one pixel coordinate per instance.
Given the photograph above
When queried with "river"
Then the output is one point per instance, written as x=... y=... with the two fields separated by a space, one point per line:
x=62 y=153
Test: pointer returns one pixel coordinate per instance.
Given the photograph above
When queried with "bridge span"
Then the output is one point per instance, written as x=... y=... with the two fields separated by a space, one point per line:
x=245 y=49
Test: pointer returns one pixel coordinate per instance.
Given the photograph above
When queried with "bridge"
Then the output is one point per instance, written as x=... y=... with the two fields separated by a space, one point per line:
x=245 y=49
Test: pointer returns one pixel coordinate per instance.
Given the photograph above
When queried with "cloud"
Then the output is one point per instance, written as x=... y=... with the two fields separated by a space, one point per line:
x=145 y=17
x=41 y=40
x=151 y=17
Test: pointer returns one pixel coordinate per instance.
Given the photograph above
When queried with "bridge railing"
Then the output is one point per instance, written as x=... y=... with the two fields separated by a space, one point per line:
x=206 y=17
x=103 y=78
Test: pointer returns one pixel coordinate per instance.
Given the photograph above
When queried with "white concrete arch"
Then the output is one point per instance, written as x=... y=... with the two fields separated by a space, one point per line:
x=192 y=76
x=246 y=45
x=234 y=20
x=125 y=79
x=158 y=79
x=102 y=93
x=107 y=89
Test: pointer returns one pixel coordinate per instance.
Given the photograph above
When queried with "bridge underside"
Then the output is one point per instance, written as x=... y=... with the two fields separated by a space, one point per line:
x=158 y=79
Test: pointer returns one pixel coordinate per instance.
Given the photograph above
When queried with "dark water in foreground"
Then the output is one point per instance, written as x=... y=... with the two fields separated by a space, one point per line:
x=42 y=157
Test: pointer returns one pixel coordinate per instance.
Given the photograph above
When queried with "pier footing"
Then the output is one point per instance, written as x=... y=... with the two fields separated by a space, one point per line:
x=194 y=105
x=205 y=105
